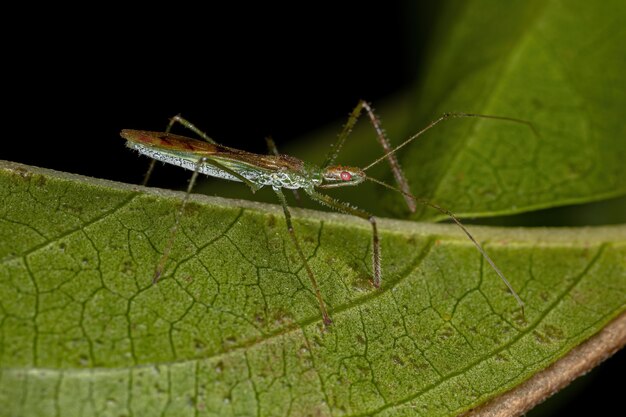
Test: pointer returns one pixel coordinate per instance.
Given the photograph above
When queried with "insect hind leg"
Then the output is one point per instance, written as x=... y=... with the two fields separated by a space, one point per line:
x=187 y=124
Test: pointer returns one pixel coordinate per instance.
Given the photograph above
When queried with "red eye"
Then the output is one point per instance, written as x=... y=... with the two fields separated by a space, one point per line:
x=345 y=175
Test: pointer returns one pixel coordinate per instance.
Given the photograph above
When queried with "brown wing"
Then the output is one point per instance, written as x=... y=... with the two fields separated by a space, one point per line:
x=169 y=141
x=269 y=162
x=177 y=143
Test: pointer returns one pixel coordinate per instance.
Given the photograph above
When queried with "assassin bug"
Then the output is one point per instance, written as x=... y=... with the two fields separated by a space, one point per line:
x=278 y=171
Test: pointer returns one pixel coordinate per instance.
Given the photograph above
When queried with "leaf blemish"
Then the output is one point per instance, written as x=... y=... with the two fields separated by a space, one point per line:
x=362 y=283
x=22 y=173
x=549 y=334
x=271 y=221
x=76 y=210
x=230 y=341
x=199 y=344
x=398 y=360
x=128 y=267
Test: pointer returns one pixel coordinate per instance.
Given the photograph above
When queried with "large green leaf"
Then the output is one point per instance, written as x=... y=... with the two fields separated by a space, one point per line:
x=558 y=64
x=233 y=327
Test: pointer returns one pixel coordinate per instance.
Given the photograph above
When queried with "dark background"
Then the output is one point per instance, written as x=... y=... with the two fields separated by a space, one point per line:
x=239 y=74
x=71 y=84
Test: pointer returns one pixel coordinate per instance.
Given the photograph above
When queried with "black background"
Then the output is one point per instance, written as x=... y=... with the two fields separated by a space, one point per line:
x=239 y=74
x=72 y=83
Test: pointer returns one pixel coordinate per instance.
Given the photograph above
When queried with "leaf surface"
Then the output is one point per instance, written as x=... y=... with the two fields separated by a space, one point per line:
x=233 y=327
x=558 y=64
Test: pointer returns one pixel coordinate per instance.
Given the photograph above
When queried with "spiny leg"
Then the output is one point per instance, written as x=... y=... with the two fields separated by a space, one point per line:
x=442 y=118
x=398 y=174
x=271 y=147
x=432 y=124
x=462 y=226
x=168 y=247
x=382 y=139
x=177 y=119
x=333 y=153
x=292 y=233
x=347 y=209
x=186 y=123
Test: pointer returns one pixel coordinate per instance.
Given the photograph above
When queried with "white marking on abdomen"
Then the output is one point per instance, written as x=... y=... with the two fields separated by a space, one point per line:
x=181 y=162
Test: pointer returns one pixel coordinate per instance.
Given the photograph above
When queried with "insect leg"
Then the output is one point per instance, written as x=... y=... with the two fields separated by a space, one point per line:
x=333 y=153
x=254 y=187
x=382 y=139
x=168 y=247
x=177 y=119
x=186 y=123
x=391 y=157
x=271 y=147
x=292 y=233
x=456 y=220
x=348 y=209
x=148 y=173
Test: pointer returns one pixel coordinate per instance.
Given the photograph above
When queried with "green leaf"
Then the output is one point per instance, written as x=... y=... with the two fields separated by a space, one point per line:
x=558 y=64
x=233 y=327
x=554 y=63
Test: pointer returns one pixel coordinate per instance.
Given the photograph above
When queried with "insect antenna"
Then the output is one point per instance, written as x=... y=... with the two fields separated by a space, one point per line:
x=447 y=116
x=458 y=223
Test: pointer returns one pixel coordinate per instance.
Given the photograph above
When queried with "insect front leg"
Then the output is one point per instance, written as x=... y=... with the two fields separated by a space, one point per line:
x=292 y=233
x=382 y=139
x=348 y=209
